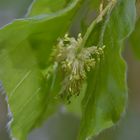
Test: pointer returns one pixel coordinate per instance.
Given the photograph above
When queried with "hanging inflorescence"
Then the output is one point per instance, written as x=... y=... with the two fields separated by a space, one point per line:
x=74 y=61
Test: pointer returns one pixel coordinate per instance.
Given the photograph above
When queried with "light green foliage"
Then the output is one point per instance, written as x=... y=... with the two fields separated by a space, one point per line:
x=25 y=47
x=106 y=94
x=40 y=7
x=33 y=84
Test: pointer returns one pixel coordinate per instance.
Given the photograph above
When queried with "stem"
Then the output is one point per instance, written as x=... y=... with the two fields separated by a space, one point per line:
x=97 y=20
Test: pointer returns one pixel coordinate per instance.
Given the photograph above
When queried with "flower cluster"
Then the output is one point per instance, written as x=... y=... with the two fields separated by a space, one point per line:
x=74 y=62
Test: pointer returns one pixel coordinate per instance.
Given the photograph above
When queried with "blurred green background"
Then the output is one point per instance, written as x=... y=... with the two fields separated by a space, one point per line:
x=64 y=126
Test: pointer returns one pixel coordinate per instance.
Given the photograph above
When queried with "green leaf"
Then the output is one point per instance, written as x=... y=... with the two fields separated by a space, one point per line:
x=106 y=94
x=46 y=6
x=135 y=41
x=25 y=47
